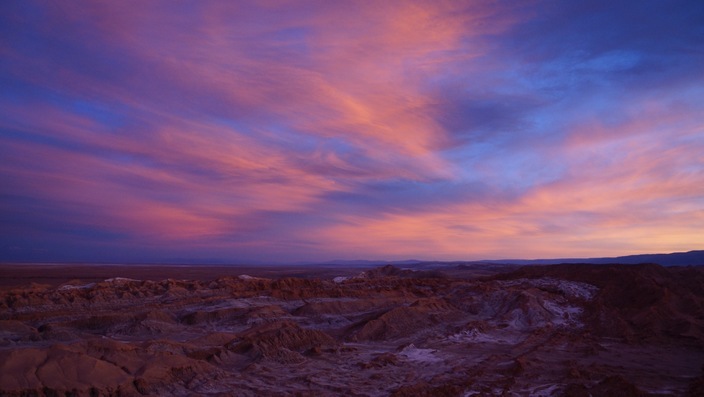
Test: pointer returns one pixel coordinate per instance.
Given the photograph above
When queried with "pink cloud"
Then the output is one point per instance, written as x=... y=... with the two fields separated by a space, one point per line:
x=362 y=82
x=201 y=123
x=628 y=188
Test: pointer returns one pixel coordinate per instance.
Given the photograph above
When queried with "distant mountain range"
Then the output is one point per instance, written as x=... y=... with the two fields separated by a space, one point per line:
x=694 y=258
x=674 y=259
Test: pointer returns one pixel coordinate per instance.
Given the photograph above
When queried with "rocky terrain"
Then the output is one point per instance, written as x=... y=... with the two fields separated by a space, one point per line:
x=558 y=330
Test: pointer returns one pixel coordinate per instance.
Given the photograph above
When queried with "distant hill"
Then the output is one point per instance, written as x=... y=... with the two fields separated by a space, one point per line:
x=370 y=263
x=695 y=258
x=691 y=258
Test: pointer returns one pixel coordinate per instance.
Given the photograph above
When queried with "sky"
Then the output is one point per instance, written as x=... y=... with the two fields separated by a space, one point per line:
x=286 y=131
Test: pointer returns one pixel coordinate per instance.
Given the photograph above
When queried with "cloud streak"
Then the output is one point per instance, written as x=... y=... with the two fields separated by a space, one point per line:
x=280 y=131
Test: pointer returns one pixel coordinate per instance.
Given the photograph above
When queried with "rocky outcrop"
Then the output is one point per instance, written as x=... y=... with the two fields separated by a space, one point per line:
x=636 y=303
x=281 y=341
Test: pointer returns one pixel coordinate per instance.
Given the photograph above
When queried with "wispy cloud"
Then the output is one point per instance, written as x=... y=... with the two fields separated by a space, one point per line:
x=287 y=130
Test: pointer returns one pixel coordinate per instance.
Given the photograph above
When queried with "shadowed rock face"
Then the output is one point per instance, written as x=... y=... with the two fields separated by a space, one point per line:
x=563 y=330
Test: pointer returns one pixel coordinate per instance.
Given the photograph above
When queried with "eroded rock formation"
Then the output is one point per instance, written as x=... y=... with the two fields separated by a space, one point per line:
x=542 y=330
